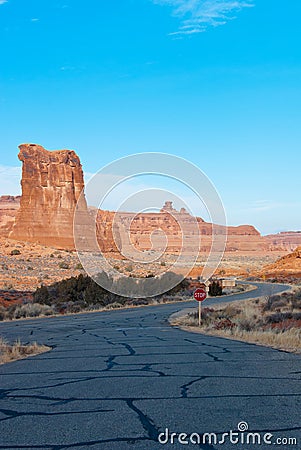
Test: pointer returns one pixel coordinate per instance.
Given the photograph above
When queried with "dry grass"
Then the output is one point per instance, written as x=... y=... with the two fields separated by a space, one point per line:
x=289 y=340
x=273 y=322
x=16 y=351
x=37 y=311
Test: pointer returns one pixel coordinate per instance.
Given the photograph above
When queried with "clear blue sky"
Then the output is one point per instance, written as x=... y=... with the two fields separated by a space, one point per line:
x=201 y=79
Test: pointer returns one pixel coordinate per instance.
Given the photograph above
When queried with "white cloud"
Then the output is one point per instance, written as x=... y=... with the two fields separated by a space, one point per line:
x=197 y=15
x=3 y=1
x=10 y=180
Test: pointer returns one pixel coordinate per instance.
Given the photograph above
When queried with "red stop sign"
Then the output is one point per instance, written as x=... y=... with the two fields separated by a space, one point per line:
x=200 y=295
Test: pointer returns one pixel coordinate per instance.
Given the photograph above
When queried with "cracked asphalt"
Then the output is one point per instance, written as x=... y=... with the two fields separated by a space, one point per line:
x=116 y=380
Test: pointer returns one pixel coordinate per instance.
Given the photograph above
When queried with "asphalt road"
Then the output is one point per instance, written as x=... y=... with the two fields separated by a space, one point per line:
x=116 y=380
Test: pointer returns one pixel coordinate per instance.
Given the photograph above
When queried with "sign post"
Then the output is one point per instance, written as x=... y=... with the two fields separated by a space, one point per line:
x=200 y=295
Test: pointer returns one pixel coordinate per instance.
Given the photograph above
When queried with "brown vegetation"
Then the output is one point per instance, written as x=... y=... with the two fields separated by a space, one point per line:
x=17 y=350
x=273 y=321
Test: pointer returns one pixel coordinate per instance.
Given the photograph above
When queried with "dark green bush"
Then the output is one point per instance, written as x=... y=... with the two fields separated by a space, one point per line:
x=83 y=292
x=215 y=289
x=15 y=252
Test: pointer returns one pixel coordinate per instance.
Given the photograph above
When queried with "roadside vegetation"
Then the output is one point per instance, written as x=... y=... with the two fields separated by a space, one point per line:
x=273 y=321
x=81 y=293
x=18 y=350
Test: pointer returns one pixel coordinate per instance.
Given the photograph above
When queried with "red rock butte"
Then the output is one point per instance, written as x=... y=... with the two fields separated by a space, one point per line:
x=52 y=182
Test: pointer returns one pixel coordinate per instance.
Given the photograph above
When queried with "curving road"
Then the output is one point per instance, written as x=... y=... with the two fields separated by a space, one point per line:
x=116 y=380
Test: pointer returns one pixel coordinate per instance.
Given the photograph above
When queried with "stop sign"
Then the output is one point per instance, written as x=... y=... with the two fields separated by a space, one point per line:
x=200 y=295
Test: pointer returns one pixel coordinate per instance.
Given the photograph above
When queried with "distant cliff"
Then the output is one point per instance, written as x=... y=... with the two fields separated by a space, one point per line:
x=285 y=241
x=9 y=207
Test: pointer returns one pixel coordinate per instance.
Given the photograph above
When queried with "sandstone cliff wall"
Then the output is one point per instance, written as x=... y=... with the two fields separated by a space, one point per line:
x=286 y=241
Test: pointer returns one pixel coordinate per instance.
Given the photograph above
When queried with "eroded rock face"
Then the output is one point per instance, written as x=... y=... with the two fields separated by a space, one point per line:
x=9 y=206
x=288 y=263
x=52 y=182
x=51 y=185
x=286 y=241
x=139 y=228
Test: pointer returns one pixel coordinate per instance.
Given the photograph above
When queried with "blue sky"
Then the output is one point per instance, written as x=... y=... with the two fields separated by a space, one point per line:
x=215 y=81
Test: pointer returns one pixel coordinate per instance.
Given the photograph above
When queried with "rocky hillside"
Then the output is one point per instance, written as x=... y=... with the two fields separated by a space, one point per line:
x=287 y=265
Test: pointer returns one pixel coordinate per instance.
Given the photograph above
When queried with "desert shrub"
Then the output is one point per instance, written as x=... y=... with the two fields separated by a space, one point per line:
x=31 y=310
x=68 y=307
x=297 y=294
x=3 y=313
x=15 y=252
x=224 y=324
x=78 y=266
x=80 y=289
x=169 y=278
x=63 y=265
x=215 y=289
x=18 y=351
x=281 y=317
x=247 y=324
x=231 y=311
x=296 y=300
x=42 y=296
x=280 y=303
x=74 y=307
x=206 y=313
x=270 y=301
x=115 y=305
x=139 y=301
x=84 y=293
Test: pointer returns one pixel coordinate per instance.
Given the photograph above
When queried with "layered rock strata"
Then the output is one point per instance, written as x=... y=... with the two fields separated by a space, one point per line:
x=52 y=182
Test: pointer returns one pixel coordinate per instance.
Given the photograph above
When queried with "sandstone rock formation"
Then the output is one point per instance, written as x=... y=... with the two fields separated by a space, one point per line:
x=287 y=265
x=51 y=185
x=9 y=207
x=286 y=241
x=141 y=226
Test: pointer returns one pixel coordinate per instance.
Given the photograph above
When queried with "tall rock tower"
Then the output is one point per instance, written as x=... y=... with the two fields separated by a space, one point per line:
x=52 y=182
